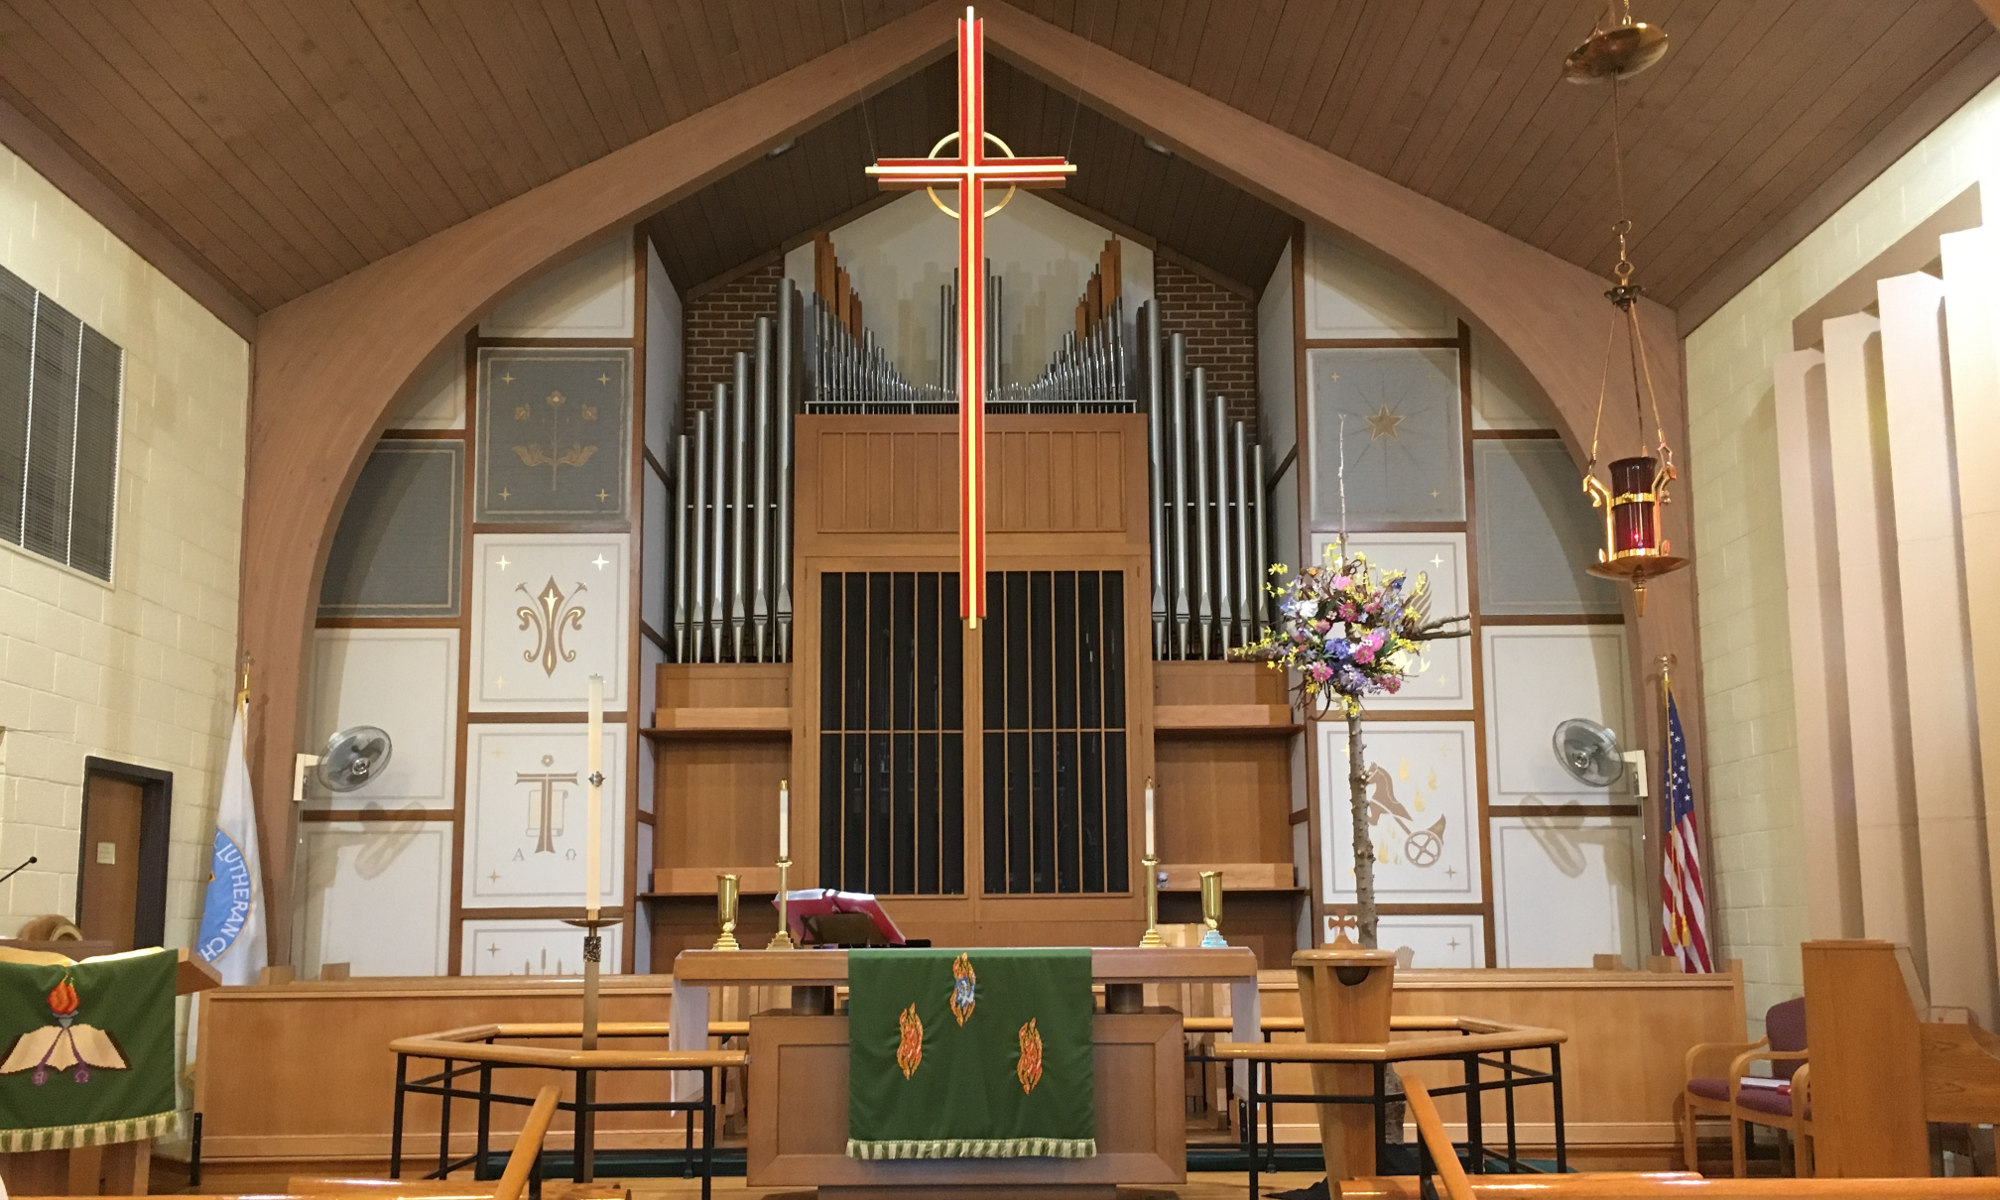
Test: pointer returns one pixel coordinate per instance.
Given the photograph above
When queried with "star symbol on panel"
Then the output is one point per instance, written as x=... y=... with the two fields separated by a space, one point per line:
x=499 y=681
x=502 y=562
x=1450 y=872
x=506 y=494
x=600 y=562
x=1453 y=943
x=492 y=947
x=602 y=378
x=495 y=877
x=1383 y=423
x=1437 y=560
x=507 y=378
x=602 y=495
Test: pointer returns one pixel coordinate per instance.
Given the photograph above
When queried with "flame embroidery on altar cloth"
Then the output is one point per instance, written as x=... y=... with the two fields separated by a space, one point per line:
x=910 y=1049
x=1029 y=1069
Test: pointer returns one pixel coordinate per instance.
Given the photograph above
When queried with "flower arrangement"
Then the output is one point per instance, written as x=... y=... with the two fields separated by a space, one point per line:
x=1350 y=630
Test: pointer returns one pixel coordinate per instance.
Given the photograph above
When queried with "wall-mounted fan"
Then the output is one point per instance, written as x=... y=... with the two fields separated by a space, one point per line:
x=353 y=756
x=1589 y=752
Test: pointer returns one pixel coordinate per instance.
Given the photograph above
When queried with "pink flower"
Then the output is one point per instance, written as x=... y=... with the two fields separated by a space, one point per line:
x=1393 y=683
x=1342 y=582
x=1321 y=672
x=1364 y=653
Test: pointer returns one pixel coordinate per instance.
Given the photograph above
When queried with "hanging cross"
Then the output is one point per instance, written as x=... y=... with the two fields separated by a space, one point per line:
x=971 y=171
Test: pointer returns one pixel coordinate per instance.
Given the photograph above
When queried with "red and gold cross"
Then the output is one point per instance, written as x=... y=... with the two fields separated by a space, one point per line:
x=971 y=171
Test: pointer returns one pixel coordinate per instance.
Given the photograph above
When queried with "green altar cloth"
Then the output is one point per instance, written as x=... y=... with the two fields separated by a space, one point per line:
x=86 y=1050
x=970 y=1054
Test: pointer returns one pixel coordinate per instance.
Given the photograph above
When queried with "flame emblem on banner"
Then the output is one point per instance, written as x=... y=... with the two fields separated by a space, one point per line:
x=910 y=1049
x=1029 y=1069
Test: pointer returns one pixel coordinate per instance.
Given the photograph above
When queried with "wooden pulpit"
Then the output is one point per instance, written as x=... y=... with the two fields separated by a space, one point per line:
x=1344 y=995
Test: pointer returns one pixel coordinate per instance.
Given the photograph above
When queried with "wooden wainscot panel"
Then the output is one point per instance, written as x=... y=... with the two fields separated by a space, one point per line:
x=335 y=1102
x=876 y=474
x=798 y=1118
x=683 y=686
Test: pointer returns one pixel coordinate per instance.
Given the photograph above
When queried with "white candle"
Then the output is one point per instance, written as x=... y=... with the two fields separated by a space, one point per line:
x=1150 y=853
x=593 y=873
x=784 y=818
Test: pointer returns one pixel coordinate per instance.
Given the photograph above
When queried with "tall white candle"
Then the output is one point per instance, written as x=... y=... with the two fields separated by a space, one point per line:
x=784 y=818
x=1150 y=853
x=593 y=873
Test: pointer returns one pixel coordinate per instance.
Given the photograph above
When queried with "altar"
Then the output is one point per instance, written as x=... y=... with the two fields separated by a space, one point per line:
x=799 y=1061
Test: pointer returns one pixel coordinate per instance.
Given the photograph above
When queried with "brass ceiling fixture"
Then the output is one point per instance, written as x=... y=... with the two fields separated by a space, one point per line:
x=1634 y=548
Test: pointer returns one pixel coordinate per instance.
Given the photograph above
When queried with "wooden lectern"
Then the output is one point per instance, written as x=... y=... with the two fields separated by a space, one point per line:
x=123 y=1168
x=1885 y=1065
x=1344 y=995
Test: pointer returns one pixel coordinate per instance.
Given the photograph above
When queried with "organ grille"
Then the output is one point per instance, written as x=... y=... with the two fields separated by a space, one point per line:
x=1054 y=718
x=892 y=741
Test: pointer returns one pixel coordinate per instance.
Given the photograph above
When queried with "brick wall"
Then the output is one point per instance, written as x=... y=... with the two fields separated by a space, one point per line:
x=1221 y=329
x=719 y=323
x=139 y=670
x=1754 y=810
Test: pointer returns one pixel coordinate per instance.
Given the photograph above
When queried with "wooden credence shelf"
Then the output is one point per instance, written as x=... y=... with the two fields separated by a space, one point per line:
x=720 y=722
x=1233 y=720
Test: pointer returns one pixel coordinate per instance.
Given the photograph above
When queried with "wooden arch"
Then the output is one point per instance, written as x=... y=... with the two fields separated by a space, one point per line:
x=331 y=365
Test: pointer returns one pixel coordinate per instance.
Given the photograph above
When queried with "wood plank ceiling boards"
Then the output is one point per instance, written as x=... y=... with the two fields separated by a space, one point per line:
x=281 y=147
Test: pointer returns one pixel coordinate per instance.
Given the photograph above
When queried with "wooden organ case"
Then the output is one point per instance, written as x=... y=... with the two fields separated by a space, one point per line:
x=988 y=783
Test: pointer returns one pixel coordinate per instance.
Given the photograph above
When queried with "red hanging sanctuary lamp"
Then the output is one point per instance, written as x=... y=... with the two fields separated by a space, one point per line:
x=1635 y=549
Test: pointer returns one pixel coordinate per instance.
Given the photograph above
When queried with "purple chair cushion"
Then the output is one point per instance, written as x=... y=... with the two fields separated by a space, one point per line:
x=1764 y=1100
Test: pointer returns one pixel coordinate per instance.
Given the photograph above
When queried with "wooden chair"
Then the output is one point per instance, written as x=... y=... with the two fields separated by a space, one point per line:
x=513 y=1184
x=1714 y=1088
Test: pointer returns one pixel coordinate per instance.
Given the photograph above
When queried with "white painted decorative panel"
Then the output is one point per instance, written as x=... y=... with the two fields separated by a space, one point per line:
x=548 y=612
x=592 y=296
x=1536 y=678
x=377 y=895
x=404 y=681
x=658 y=537
x=1350 y=296
x=663 y=359
x=1443 y=677
x=438 y=399
x=525 y=815
x=1565 y=889
x=1423 y=811
x=1503 y=397
x=1427 y=941
x=1277 y=367
x=532 y=947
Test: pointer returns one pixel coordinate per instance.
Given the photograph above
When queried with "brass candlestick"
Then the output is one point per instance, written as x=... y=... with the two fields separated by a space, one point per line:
x=725 y=906
x=782 y=940
x=1211 y=910
x=1152 y=866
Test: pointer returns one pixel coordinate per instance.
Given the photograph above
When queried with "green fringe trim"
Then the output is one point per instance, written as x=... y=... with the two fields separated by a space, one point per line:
x=100 y=1133
x=1027 y=1147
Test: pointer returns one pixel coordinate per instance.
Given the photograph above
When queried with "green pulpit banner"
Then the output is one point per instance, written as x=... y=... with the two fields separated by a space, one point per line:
x=86 y=1050
x=970 y=1054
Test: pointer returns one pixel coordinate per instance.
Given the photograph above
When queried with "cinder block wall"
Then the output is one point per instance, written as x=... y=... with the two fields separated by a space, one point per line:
x=1757 y=887
x=139 y=670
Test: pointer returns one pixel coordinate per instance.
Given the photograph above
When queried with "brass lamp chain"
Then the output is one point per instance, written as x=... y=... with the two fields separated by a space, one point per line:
x=1625 y=295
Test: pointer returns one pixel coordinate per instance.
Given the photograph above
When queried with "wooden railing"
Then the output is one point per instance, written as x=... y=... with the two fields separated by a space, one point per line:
x=1455 y=1184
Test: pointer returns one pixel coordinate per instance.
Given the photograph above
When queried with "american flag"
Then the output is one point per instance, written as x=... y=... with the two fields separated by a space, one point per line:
x=1683 y=911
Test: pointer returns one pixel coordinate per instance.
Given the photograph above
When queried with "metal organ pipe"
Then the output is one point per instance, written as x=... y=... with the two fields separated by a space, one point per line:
x=1178 y=357
x=682 y=627
x=1225 y=543
x=1239 y=502
x=1156 y=509
x=1258 y=535
x=1204 y=602
x=760 y=524
x=739 y=507
x=719 y=533
x=697 y=562
x=786 y=404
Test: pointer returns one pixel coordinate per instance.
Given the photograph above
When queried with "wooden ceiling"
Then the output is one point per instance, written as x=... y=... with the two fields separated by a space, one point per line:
x=284 y=145
x=775 y=201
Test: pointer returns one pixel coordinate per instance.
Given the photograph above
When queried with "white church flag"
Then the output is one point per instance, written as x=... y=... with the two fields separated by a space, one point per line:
x=232 y=909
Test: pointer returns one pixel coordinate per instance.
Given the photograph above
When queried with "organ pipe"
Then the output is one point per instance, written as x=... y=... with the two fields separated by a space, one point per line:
x=683 y=495
x=739 y=509
x=1204 y=594
x=697 y=561
x=1225 y=539
x=760 y=524
x=1178 y=408
x=787 y=405
x=1155 y=447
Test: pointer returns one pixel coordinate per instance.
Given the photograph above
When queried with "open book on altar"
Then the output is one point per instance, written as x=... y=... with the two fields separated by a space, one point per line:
x=825 y=917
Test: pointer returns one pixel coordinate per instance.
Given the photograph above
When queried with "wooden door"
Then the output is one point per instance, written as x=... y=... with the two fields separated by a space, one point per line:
x=108 y=890
x=122 y=880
